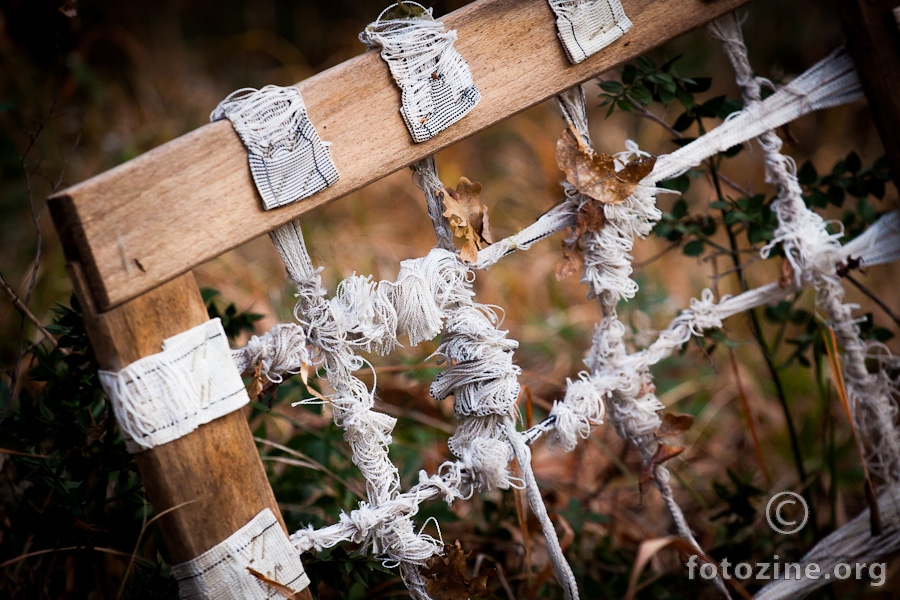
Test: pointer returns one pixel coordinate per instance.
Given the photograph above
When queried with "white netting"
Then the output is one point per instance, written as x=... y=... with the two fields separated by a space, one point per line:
x=287 y=159
x=222 y=572
x=167 y=395
x=433 y=295
x=587 y=26
x=435 y=81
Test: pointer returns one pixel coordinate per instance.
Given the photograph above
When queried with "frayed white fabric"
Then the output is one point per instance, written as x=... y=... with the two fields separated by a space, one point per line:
x=165 y=396
x=812 y=251
x=434 y=295
x=222 y=572
x=587 y=26
x=435 y=81
x=877 y=245
x=288 y=161
x=282 y=350
x=830 y=82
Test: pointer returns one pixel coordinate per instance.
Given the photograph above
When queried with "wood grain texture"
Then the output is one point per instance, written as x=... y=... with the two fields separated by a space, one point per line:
x=214 y=474
x=873 y=39
x=192 y=199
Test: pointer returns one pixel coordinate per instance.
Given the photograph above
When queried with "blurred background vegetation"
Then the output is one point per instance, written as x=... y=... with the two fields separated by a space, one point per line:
x=86 y=86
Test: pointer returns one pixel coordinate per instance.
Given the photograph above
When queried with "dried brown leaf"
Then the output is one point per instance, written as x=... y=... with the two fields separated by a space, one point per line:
x=786 y=278
x=662 y=454
x=674 y=424
x=446 y=576
x=256 y=384
x=594 y=173
x=591 y=218
x=573 y=261
x=468 y=218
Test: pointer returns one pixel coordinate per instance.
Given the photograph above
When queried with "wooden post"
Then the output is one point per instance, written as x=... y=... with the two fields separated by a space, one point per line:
x=212 y=477
x=873 y=39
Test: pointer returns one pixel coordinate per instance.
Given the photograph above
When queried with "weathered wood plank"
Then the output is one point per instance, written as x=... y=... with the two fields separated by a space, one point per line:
x=873 y=39
x=148 y=220
x=212 y=477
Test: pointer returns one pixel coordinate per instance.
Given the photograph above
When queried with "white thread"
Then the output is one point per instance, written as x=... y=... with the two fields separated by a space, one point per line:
x=222 y=571
x=165 y=396
x=830 y=82
x=435 y=81
x=287 y=159
x=812 y=250
x=877 y=245
x=282 y=350
x=587 y=26
x=434 y=293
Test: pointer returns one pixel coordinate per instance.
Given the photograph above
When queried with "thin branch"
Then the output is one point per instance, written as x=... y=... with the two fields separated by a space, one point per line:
x=23 y=308
x=865 y=290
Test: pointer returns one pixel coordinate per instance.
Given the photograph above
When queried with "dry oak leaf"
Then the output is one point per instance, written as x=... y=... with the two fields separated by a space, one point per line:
x=446 y=576
x=662 y=454
x=591 y=218
x=468 y=218
x=594 y=173
x=674 y=424
x=786 y=278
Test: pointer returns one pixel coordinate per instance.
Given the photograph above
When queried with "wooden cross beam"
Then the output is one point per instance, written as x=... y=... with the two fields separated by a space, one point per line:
x=155 y=217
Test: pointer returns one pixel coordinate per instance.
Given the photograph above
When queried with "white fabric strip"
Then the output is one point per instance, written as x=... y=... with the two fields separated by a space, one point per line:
x=830 y=82
x=587 y=26
x=165 y=396
x=435 y=81
x=287 y=159
x=222 y=572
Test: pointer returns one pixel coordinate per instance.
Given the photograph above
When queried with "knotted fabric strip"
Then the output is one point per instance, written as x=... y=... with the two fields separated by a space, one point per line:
x=587 y=26
x=435 y=81
x=287 y=159
x=165 y=396
x=224 y=571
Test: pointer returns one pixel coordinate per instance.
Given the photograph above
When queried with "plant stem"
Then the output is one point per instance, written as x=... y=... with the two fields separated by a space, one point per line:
x=756 y=331
x=865 y=290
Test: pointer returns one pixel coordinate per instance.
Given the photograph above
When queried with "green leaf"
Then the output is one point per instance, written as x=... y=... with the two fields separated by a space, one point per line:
x=698 y=84
x=613 y=87
x=641 y=94
x=678 y=184
x=685 y=97
x=680 y=209
x=208 y=294
x=683 y=122
x=666 y=96
x=628 y=74
x=807 y=174
x=852 y=163
x=693 y=248
x=734 y=150
x=835 y=195
x=646 y=64
x=667 y=66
